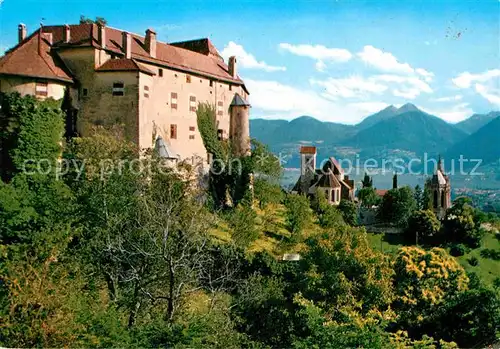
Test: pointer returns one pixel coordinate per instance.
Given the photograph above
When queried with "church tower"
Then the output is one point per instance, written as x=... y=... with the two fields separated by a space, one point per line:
x=440 y=190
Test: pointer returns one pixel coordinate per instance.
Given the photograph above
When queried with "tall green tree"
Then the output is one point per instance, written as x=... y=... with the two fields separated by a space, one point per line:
x=397 y=206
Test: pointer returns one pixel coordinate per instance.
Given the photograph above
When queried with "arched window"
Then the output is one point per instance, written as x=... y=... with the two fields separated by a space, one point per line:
x=435 y=201
x=442 y=198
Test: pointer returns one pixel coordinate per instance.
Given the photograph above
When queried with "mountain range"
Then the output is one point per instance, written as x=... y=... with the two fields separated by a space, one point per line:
x=403 y=132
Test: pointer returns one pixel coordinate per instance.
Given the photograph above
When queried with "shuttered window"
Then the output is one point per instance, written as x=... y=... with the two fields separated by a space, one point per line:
x=220 y=108
x=41 y=89
x=173 y=131
x=173 y=100
x=192 y=103
x=118 y=89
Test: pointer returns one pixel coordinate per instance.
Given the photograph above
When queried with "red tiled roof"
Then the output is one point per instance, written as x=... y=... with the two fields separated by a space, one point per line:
x=24 y=60
x=381 y=192
x=124 y=64
x=203 y=46
x=307 y=150
x=193 y=58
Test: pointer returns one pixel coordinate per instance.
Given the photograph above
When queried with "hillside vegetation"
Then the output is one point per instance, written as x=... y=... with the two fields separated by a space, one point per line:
x=115 y=257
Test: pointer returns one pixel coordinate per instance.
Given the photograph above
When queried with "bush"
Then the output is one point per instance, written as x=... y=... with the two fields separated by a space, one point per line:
x=490 y=254
x=458 y=250
x=297 y=214
x=242 y=220
x=331 y=217
x=349 y=212
x=473 y=261
x=424 y=225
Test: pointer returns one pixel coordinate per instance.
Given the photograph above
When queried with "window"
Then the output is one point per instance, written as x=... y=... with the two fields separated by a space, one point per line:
x=160 y=72
x=173 y=100
x=333 y=195
x=220 y=134
x=192 y=128
x=220 y=106
x=146 y=91
x=230 y=87
x=173 y=131
x=211 y=83
x=191 y=136
x=41 y=89
x=188 y=79
x=118 y=89
x=85 y=92
x=192 y=103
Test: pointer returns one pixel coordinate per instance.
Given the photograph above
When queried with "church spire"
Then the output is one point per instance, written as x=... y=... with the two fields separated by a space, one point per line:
x=440 y=164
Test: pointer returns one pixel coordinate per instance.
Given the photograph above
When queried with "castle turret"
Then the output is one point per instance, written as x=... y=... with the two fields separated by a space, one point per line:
x=239 y=126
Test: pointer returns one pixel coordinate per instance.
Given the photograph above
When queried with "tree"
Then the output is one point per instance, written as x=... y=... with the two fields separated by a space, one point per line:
x=368 y=197
x=98 y=20
x=419 y=197
x=424 y=281
x=422 y=225
x=471 y=318
x=397 y=206
x=349 y=212
x=427 y=196
x=460 y=224
x=298 y=214
x=367 y=181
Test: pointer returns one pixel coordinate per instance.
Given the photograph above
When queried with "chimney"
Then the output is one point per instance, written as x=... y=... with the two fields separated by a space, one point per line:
x=66 y=34
x=21 y=32
x=233 y=69
x=150 y=42
x=127 y=44
x=40 y=33
x=102 y=35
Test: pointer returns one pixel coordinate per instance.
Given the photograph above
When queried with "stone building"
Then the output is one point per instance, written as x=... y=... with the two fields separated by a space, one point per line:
x=440 y=190
x=113 y=77
x=330 y=178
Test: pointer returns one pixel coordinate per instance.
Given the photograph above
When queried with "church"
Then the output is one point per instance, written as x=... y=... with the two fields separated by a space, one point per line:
x=329 y=178
x=440 y=190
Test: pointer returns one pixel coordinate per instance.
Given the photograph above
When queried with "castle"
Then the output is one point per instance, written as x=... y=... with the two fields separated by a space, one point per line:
x=108 y=76
x=330 y=178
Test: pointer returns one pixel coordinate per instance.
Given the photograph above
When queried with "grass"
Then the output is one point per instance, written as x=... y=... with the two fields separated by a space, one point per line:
x=274 y=236
x=487 y=269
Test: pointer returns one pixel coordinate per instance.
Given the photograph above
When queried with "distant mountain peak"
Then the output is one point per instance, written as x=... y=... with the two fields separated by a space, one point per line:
x=408 y=107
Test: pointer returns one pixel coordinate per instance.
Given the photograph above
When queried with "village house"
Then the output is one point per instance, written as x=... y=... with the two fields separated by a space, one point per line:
x=152 y=89
x=330 y=178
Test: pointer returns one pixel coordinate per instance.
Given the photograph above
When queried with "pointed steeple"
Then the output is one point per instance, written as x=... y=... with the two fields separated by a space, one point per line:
x=440 y=164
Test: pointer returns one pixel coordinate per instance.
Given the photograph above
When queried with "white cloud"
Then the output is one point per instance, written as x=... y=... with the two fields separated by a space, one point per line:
x=408 y=87
x=354 y=86
x=465 y=80
x=448 y=98
x=489 y=93
x=454 y=114
x=271 y=99
x=410 y=93
x=320 y=53
x=384 y=61
x=486 y=84
x=247 y=60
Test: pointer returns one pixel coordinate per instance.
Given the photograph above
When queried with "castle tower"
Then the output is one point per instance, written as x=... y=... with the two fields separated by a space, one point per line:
x=440 y=189
x=239 y=126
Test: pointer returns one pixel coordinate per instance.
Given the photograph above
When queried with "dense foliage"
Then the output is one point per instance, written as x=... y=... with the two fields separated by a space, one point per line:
x=115 y=257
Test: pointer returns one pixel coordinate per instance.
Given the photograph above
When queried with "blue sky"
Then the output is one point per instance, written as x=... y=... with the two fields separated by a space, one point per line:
x=334 y=60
